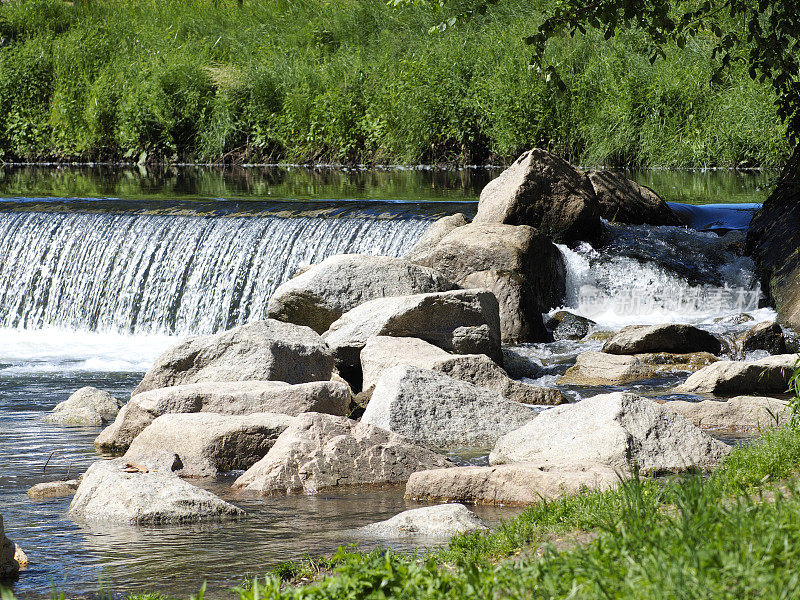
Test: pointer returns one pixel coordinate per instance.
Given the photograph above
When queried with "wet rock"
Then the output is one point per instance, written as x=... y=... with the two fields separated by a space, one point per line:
x=443 y=521
x=624 y=201
x=326 y=291
x=739 y=319
x=766 y=376
x=87 y=406
x=460 y=321
x=438 y=230
x=523 y=269
x=319 y=452
x=382 y=353
x=766 y=336
x=611 y=430
x=111 y=493
x=739 y=414
x=546 y=192
x=666 y=362
x=263 y=350
x=567 y=326
x=518 y=365
x=53 y=489
x=437 y=411
x=599 y=368
x=677 y=338
x=227 y=397
x=518 y=484
x=207 y=444
x=9 y=567
x=21 y=558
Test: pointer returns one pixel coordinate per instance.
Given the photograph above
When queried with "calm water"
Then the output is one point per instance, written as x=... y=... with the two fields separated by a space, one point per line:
x=78 y=307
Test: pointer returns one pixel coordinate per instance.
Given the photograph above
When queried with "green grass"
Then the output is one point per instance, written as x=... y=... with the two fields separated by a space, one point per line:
x=356 y=81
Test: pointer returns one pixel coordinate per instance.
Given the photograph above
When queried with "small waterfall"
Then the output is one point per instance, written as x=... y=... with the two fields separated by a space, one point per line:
x=161 y=274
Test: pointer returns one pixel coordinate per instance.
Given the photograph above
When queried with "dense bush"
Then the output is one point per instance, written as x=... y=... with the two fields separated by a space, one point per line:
x=355 y=81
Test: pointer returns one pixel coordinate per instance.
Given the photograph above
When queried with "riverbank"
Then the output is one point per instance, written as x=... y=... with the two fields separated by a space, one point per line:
x=356 y=83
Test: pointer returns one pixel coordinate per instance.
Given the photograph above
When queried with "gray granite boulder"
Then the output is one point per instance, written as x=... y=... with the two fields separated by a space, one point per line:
x=263 y=350
x=598 y=368
x=319 y=452
x=677 y=338
x=327 y=290
x=443 y=521
x=732 y=378
x=87 y=406
x=227 y=397
x=624 y=201
x=437 y=411
x=438 y=229
x=740 y=414
x=206 y=444
x=618 y=430
x=110 y=492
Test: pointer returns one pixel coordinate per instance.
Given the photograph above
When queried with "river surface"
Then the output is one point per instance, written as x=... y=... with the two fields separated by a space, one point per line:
x=102 y=268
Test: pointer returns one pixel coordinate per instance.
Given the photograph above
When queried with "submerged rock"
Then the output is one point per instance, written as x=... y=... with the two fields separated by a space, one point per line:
x=766 y=376
x=445 y=521
x=382 y=353
x=766 y=336
x=518 y=484
x=437 y=411
x=326 y=291
x=206 y=444
x=87 y=406
x=9 y=567
x=461 y=321
x=740 y=414
x=227 y=397
x=263 y=350
x=677 y=338
x=319 y=452
x=523 y=269
x=434 y=234
x=624 y=201
x=598 y=368
x=53 y=489
x=111 y=493
x=546 y=192
x=618 y=430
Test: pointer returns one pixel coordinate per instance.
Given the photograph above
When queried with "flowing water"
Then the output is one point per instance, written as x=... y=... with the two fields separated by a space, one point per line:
x=102 y=268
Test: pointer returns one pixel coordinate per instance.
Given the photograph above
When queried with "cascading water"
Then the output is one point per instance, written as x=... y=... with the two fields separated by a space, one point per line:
x=168 y=274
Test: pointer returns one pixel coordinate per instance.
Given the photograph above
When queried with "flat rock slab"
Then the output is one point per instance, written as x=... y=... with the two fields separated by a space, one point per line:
x=766 y=376
x=267 y=350
x=746 y=414
x=227 y=397
x=319 y=452
x=383 y=352
x=443 y=521
x=87 y=406
x=437 y=411
x=519 y=484
x=53 y=489
x=206 y=444
x=675 y=338
x=108 y=493
x=618 y=431
x=598 y=368
x=327 y=290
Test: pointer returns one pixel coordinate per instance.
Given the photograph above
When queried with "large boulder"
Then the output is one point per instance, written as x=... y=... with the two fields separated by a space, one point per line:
x=618 y=430
x=437 y=411
x=460 y=321
x=546 y=192
x=598 y=368
x=767 y=336
x=637 y=339
x=206 y=444
x=383 y=352
x=741 y=414
x=227 y=397
x=773 y=239
x=326 y=291
x=730 y=378
x=9 y=567
x=87 y=406
x=624 y=201
x=112 y=492
x=438 y=229
x=523 y=269
x=519 y=484
x=443 y=521
x=264 y=350
x=319 y=452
